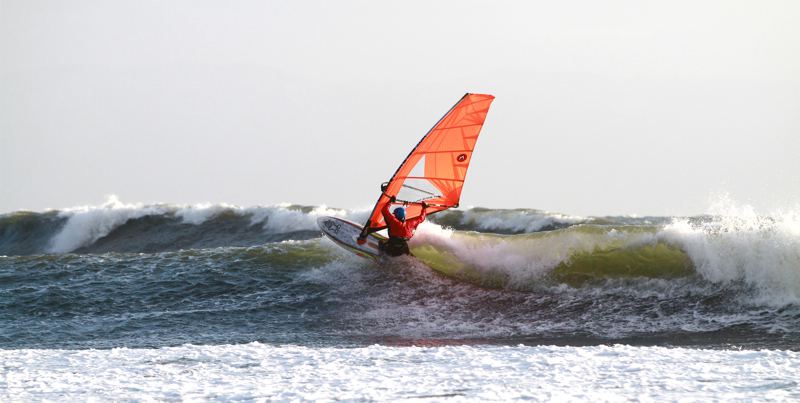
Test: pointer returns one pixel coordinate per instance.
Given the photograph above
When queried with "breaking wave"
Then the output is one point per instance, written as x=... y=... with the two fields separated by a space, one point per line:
x=732 y=246
x=120 y=227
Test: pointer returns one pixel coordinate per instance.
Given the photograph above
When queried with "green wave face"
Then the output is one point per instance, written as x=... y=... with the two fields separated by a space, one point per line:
x=660 y=260
x=572 y=255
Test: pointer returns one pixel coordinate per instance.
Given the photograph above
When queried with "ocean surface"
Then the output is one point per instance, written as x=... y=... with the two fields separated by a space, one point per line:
x=218 y=302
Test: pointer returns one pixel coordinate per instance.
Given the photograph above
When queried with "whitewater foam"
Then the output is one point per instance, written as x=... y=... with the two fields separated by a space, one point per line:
x=737 y=244
x=284 y=218
x=517 y=221
x=465 y=373
x=200 y=213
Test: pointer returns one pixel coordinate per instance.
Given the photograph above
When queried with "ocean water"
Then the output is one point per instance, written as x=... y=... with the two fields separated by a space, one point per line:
x=130 y=301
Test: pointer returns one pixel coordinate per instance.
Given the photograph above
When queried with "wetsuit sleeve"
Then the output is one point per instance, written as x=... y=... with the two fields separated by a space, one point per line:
x=388 y=216
x=414 y=222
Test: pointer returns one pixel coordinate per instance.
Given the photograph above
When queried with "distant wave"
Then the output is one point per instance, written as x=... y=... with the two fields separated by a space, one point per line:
x=122 y=227
x=119 y=227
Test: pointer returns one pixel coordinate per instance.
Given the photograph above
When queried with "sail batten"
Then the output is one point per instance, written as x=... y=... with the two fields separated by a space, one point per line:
x=437 y=166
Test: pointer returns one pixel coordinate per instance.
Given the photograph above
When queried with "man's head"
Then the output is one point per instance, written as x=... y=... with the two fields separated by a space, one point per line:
x=400 y=213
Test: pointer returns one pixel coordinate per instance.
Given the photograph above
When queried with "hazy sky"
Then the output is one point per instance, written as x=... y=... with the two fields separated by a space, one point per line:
x=603 y=107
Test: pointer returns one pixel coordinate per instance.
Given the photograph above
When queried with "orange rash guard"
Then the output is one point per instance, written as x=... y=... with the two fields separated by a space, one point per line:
x=401 y=229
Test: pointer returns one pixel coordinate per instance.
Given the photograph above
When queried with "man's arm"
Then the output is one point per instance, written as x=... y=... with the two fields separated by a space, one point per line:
x=387 y=215
x=418 y=220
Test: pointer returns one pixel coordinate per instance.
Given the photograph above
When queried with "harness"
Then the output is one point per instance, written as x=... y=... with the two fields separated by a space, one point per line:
x=395 y=246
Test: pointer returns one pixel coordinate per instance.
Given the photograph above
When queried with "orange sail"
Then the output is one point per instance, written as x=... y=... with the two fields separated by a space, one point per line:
x=434 y=172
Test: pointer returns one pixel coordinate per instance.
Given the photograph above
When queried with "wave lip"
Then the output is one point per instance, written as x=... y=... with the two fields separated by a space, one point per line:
x=504 y=221
x=87 y=224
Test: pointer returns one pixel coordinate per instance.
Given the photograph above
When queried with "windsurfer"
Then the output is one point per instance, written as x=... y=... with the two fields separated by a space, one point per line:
x=400 y=229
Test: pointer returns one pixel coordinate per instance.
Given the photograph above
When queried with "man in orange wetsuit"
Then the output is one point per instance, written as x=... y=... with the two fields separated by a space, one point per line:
x=400 y=229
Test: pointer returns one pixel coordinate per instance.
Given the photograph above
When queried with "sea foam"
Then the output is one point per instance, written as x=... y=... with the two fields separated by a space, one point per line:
x=517 y=221
x=740 y=245
x=465 y=373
